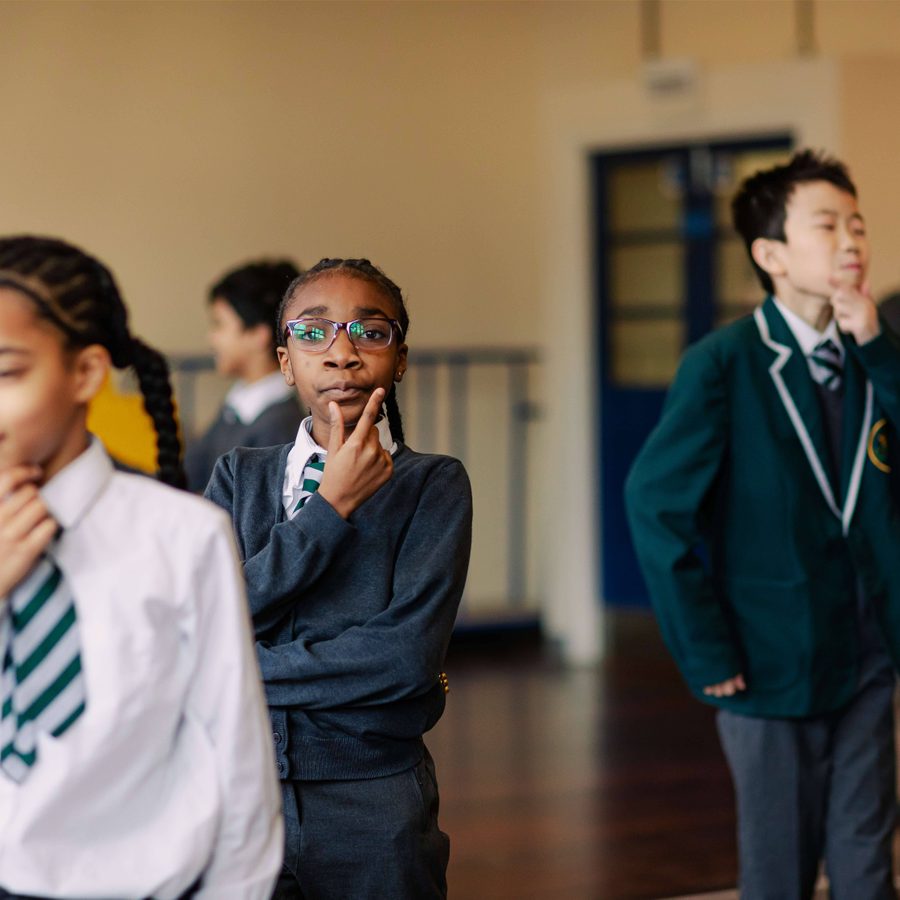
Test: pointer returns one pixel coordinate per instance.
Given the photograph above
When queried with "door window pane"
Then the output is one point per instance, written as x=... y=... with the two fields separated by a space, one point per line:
x=644 y=195
x=736 y=280
x=645 y=354
x=646 y=275
x=732 y=168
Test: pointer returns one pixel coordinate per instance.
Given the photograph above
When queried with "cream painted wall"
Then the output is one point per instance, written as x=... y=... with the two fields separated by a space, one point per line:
x=179 y=138
x=445 y=140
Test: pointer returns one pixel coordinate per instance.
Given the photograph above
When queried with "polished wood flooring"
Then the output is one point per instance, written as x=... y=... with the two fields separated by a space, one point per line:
x=592 y=784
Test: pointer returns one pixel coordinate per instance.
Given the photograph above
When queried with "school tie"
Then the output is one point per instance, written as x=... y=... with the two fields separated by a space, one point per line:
x=312 y=478
x=42 y=682
x=826 y=365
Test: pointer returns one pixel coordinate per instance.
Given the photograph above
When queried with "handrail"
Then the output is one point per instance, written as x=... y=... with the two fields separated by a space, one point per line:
x=454 y=402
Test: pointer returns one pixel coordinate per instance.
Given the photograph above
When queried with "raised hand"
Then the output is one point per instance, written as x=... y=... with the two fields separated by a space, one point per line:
x=357 y=464
x=727 y=688
x=854 y=309
x=26 y=527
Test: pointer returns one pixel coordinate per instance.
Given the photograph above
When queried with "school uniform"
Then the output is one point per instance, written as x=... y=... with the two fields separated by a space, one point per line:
x=262 y=413
x=353 y=618
x=166 y=779
x=795 y=497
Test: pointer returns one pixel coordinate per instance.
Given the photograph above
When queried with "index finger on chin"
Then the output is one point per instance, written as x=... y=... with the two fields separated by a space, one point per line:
x=370 y=413
x=13 y=478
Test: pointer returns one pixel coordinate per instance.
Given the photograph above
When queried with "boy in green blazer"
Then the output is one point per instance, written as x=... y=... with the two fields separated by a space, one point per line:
x=775 y=454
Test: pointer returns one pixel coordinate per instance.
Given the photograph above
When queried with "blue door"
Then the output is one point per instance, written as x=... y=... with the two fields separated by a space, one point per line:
x=668 y=268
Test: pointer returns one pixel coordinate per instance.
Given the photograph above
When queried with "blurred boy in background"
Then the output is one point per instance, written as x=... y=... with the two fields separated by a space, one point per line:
x=260 y=410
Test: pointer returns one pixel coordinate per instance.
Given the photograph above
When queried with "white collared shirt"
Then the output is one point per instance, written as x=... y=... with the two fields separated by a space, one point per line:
x=304 y=448
x=808 y=337
x=169 y=772
x=250 y=400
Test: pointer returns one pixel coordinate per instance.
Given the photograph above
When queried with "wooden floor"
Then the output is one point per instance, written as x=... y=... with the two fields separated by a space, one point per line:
x=600 y=784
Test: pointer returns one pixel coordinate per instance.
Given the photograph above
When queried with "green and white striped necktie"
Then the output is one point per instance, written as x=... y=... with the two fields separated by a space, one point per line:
x=42 y=682
x=827 y=365
x=312 y=478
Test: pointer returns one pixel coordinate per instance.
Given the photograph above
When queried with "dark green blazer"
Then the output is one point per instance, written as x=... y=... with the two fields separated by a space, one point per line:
x=750 y=544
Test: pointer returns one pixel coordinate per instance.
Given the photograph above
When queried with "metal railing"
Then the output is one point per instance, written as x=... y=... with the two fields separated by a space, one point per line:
x=437 y=402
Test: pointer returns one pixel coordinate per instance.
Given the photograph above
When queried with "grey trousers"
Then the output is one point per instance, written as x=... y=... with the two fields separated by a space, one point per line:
x=816 y=788
x=375 y=839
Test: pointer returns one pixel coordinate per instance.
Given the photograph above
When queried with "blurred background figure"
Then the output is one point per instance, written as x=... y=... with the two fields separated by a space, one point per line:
x=889 y=308
x=260 y=410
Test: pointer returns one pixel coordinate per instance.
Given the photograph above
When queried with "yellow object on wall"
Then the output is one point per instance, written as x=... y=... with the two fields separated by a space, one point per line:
x=120 y=421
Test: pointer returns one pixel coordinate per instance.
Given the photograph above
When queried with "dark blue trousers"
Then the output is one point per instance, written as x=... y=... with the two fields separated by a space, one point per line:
x=373 y=839
x=813 y=789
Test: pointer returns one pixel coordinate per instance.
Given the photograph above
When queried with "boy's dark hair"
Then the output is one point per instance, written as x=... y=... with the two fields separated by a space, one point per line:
x=364 y=271
x=254 y=290
x=760 y=205
x=78 y=294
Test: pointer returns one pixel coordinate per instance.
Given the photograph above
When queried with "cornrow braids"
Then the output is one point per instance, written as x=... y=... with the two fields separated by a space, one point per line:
x=79 y=295
x=365 y=271
x=152 y=371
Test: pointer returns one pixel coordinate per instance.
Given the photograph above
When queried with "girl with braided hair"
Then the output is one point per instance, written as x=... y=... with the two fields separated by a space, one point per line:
x=355 y=551
x=134 y=752
x=81 y=299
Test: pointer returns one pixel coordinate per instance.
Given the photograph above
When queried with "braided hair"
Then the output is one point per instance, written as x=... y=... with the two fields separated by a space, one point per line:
x=364 y=271
x=78 y=294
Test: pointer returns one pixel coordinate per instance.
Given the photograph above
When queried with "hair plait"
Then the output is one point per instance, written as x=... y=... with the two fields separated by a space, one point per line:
x=79 y=295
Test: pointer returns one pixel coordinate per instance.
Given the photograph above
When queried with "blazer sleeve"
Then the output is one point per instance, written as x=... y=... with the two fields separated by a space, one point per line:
x=666 y=494
x=398 y=653
x=880 y=358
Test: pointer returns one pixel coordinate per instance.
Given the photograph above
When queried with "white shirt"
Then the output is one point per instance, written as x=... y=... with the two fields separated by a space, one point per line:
x=248 y=400
x=304 y=447
x=808 y=337
x=169 y=772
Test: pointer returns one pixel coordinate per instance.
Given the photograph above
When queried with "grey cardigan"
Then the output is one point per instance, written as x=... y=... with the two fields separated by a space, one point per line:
x=352 y=618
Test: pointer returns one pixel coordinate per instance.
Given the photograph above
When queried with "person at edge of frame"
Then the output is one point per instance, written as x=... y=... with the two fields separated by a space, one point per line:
x=776 y=451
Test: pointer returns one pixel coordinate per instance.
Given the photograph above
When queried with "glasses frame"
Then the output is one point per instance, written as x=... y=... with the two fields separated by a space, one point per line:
x=336 y=328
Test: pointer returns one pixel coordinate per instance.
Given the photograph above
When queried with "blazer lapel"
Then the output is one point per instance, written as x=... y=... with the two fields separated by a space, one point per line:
x=858 y=402
x=790 y=374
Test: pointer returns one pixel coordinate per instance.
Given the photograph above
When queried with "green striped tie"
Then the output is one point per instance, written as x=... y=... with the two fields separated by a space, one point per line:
x=312 y=478
x=827 y=366
x=42 y=687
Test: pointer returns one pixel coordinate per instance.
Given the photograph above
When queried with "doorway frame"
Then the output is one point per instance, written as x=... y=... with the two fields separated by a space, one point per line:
x=800 y=97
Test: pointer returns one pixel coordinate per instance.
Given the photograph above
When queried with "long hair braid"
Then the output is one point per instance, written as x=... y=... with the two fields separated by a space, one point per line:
x=364 y=271
x=79 y=295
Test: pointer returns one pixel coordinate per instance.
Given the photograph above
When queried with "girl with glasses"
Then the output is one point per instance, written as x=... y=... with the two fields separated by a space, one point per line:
x=134 y=752
x=355 y=552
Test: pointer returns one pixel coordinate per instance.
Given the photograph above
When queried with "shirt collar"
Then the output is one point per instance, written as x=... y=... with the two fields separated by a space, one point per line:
x=71 y=492
x=306 y=443
x=806 y=336
x=250 y=400
x=305 y=446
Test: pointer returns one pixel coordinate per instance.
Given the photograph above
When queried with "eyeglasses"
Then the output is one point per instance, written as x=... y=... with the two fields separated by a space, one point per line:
x=316 y=335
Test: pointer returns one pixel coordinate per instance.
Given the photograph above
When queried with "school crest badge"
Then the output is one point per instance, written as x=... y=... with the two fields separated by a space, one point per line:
x=878 y=446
